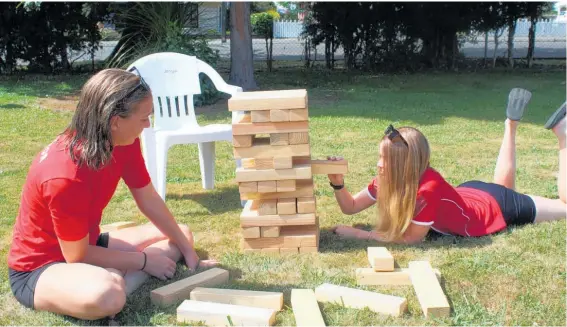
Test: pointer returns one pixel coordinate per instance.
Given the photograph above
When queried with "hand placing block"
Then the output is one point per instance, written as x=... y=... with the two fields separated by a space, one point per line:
x=326 y=167
x=259 y=299
x=380 y=259
x=220 y=314
x=359 y=299
x=305 y=308
x=428 y=290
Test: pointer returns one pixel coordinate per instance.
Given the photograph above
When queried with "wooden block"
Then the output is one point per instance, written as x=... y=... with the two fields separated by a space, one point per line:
x=271 y=250
x=289 y=250
x=279 y=139
x=308 y=249
x=258 y=299
x=277 y=115
x=267 y=187
x=248 y=163
x=283 y=162
x=290 y=237
x=267 y=207
x=248 y=187
x=400 y=276
x=298 y=115
x=306 y=205
x=359 y=299
x=286 y=185
x=242 y=141
x=380 y=259
x=245 y=118
x=221 y=314
x=116 y=226
x=269 y=128
x=260 y=116
x=428 y=290
x=254 y=175
x=304 y=188
x=252 y=250
x=270 y=231
x=266 y=150
x=305 y=308
x=263 y=163
x=251 y=218
x=268 y=100
x=299 y=138
x=251 y=232
x=326 y=167
x=181 y=289
x=287 y=206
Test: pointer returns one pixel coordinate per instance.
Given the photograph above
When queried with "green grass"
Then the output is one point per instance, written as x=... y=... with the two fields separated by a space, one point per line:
x=513 y=278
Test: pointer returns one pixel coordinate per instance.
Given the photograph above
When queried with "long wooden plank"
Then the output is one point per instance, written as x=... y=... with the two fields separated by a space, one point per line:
x=256 y=175
x=290 y=236
x=359 y=299
x=380 y=258
x=181 y=289
x=220 y=314
x=398 y=277
x=304 y=188
x=428 y=290
x=271 y=151
x=259 y=299
x=305 y=308
x=268 y=100
x=326 y=167
x=251 y=218
x=269 y=128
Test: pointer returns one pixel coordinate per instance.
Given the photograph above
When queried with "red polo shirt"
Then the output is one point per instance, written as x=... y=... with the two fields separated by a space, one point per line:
x=60 y=200
x=456 y=211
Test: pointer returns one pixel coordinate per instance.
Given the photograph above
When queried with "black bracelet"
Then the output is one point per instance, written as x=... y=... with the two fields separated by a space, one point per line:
x=336 y=187
x=145 y=258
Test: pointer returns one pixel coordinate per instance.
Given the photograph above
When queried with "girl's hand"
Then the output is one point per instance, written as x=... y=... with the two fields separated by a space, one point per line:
x=351 y=232
x=336 y=179
x=193 y=262
x=158 y=264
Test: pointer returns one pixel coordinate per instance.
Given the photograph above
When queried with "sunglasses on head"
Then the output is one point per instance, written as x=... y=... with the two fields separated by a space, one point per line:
x=142 y=83
x=394 y=135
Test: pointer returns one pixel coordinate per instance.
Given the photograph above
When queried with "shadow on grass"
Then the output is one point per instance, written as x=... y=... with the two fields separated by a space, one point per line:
x=216 y=201
x=11 y=106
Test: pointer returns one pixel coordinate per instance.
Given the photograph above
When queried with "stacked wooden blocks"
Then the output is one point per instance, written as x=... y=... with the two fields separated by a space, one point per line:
x=271 y=138
x=420 y=274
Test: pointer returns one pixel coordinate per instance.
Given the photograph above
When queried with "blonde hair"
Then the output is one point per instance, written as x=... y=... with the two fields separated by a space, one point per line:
x=110 y=92
x=399 y=181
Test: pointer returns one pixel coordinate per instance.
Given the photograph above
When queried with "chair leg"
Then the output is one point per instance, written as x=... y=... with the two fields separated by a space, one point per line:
x=207 y=163
x=161 y=169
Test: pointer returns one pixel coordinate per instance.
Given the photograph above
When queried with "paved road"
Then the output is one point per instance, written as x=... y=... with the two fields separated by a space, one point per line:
x=292 y=49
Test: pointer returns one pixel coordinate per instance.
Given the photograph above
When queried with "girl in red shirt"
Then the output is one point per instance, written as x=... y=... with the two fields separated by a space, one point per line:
x=412 y=198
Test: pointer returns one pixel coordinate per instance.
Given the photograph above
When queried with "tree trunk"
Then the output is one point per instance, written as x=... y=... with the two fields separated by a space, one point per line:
x=485 y=49
x=531 y=42
x=65 y=66
x=511 y=33
x=328 y=53
x=223 y=22
x=241 y=60
x=495 y=48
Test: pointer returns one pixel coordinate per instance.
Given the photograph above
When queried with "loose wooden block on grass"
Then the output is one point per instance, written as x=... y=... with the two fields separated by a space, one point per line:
x=277 y=115
x=287 y=206
x=359 y=299
x=283 y=162
x=270 y=231
x=306 y=205
x=268 y=100
x=305 y=308
x=298 y=115
x=181 y=289
x=279 y=139
x=251 y=232
x=242 y=141
x=428 y=290
x=299 y=138
x=117 y=226
x=221 y=314
x=380 y=259
x=260 y=116
x=259 y=299
x=400 y=276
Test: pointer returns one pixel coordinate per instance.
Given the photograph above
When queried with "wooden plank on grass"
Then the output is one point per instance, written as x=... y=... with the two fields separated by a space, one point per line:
x=428 y=290
x=268 y=100
x=221 y=314
x=269 y=128
x=398 y=277
x=255 y=175
x=258 y=299
x=359 y=299
x=181 y=289
x=305 y=308
x=380 y=258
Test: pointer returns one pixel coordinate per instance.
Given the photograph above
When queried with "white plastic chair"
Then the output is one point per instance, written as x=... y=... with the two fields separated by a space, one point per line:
x=174 y=80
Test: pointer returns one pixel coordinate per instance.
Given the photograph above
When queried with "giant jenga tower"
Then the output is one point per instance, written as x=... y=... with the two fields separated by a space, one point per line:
x=271 y=137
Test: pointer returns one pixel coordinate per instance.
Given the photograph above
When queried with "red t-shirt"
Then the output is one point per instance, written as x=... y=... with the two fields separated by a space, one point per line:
x=60 y=200
x=456 y=211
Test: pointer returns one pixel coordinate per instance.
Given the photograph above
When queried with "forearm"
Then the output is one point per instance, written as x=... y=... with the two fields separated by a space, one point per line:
x=345 y=201
x=108 y=258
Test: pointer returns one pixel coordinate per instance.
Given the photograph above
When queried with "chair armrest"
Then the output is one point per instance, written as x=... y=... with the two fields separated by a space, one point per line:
x=219 y=82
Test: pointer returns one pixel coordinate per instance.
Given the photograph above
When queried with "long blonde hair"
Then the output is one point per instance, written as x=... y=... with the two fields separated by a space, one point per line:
x=399 y=181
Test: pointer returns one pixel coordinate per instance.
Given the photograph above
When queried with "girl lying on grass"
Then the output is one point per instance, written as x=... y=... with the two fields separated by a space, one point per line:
x=412 y=198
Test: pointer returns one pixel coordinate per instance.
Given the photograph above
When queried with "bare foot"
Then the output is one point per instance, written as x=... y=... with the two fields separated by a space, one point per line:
x=208 y=263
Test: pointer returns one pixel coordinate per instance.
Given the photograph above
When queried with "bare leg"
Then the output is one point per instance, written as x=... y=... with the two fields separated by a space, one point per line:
x=505 y=171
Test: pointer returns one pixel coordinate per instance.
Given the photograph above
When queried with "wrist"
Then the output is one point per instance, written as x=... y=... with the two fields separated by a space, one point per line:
x=337 y=187
x=144 y=260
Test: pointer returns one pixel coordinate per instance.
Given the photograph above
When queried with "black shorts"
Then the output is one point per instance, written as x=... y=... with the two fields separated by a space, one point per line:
x=23 y=283
x=517 y=208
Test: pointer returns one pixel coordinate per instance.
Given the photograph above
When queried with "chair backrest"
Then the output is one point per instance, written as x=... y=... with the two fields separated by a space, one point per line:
x=174 y=79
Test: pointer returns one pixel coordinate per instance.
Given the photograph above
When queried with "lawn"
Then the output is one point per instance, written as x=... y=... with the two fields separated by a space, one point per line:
x=514 y=278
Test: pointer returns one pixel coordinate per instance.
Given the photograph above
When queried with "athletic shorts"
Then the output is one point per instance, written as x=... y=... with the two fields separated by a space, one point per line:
x=517 y=208
x=23 y=282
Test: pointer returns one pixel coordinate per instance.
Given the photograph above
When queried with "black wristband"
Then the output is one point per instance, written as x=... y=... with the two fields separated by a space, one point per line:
x=145 y=258
x=336 y=187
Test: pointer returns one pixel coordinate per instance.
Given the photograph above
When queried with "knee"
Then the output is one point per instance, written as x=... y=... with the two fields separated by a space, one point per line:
x=109 y=296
